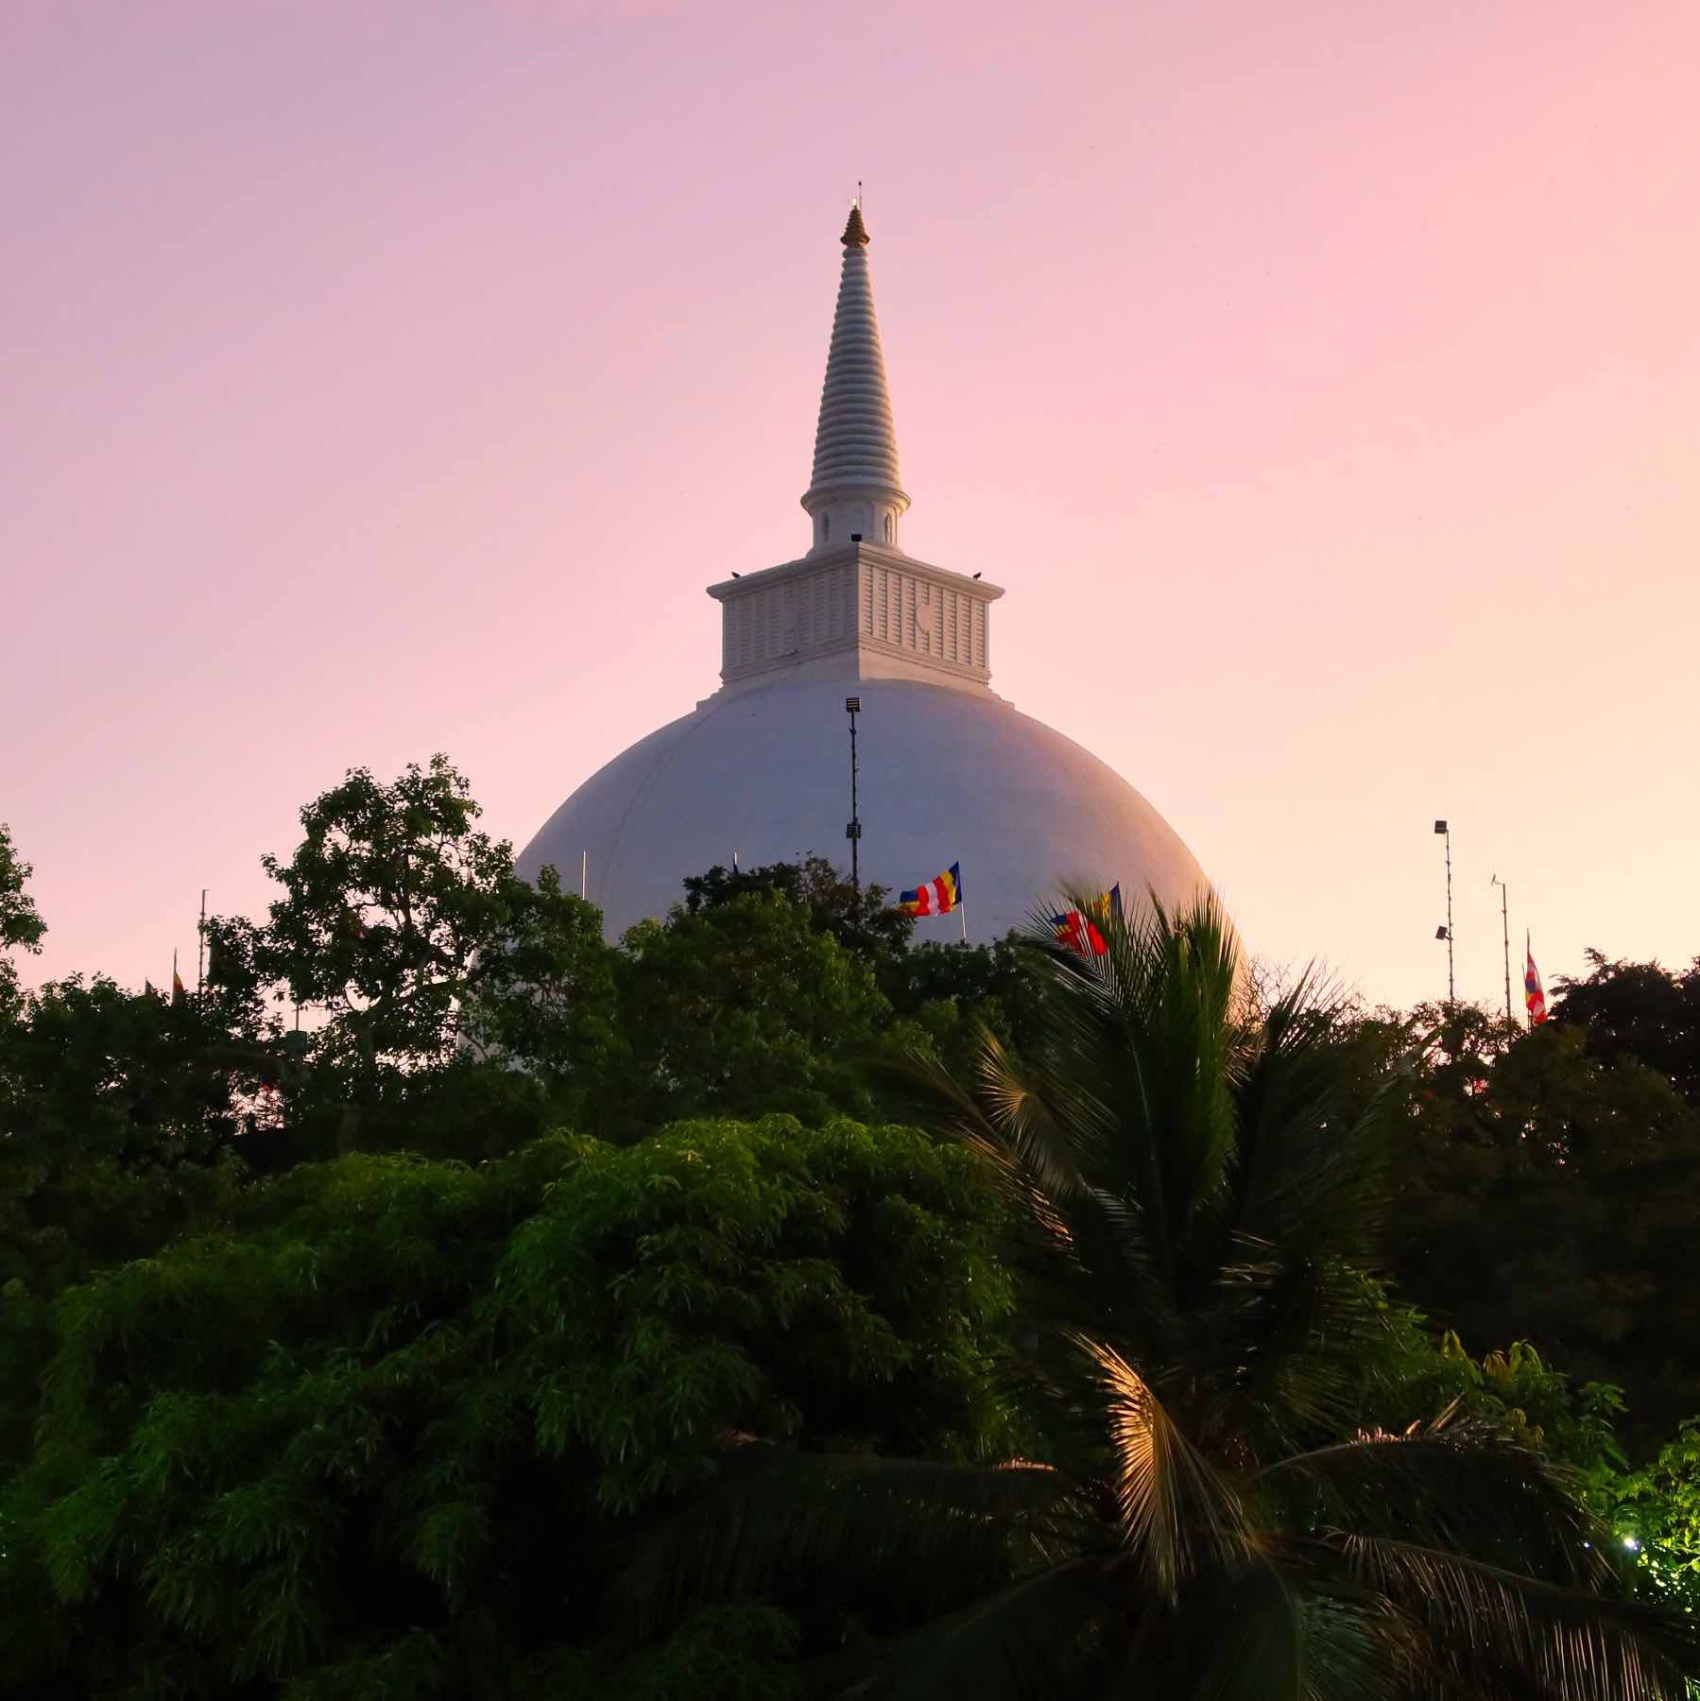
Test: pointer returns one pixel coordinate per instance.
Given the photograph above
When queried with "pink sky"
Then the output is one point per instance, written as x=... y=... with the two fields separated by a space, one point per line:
x=1320 y=380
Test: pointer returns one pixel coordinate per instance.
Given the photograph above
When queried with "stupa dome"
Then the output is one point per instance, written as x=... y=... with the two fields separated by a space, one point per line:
x=949 y=773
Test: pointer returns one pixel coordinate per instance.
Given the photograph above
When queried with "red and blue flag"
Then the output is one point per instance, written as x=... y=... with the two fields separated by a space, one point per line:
x=1534 y=997
x=1081 y=931
x=1078 y=932
x=936 y=897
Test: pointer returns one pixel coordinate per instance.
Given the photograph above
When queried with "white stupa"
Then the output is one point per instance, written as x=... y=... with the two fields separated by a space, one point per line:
x=949 y=772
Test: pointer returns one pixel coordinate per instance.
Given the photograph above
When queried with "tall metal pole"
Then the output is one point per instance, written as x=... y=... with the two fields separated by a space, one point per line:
x=201 y=949
x=1505 y=925
x=1451 y=977
x=853 y=832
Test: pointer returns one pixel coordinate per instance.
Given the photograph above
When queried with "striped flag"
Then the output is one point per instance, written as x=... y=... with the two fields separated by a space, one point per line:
x=937 y=897
x=1082 y=931
x=1079 y=933
x=1533 y=996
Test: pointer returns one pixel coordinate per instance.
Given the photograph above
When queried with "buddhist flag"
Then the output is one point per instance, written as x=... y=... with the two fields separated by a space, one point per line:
x=1079 y=933
x=1533 y=996
x=937 y=897
x=177 y=992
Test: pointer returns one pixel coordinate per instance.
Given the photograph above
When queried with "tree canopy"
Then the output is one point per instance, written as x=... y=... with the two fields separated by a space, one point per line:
x=1547 y=1193
x=1639 y=1010
x=447 y=1299
x=21 y=926
x=399 y=1431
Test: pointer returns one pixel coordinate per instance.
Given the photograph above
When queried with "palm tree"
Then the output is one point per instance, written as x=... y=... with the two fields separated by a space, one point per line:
x=1196 y=1194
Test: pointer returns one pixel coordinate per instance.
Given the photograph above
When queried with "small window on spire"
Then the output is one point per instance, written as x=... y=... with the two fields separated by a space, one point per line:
x=888 y=528
x=826 y=528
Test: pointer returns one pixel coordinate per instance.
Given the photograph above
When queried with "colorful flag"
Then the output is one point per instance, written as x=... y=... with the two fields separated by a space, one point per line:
x=149 y=990
x=937 y=897
x=1079 y=933
x=177 y=992
x=1082 y=931
x=1533 y=996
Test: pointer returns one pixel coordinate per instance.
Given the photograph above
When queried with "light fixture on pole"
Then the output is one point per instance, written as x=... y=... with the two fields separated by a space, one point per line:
x=853 y=831
x=1446 y=931
x=1505 y=925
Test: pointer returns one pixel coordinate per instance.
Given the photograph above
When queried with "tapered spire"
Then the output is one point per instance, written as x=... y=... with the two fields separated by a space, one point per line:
x=856 y=491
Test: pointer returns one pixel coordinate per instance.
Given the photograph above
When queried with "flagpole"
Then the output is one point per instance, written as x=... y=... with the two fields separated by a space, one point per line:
x=1445 y=828
x=963 y=910
x=1505 y=927
x=583 y=873
x=201 y=949
x=853 y=832
x=1451 y=977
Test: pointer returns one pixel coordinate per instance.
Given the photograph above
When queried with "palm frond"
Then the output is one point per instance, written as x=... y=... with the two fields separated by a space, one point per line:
x=1279 y=1340
x=1448 y=1485
x=1177 y=1513
x=1495 y=1631
x=1039 y=1639
x=1311 y=1162
x=1239 y=1640
x=949 y=1532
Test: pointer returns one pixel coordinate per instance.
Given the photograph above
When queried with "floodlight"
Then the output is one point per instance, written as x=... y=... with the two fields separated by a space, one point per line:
x=1442 y=933
x=853 y=704
x=1440 y=826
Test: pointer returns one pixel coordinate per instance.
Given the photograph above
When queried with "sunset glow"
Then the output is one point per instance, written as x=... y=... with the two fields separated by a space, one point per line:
x=1320 y=382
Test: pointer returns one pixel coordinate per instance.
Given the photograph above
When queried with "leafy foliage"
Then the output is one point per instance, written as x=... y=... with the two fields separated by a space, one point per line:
x=1656 y=1511
x=436 y=986
x=742 y=1006
x=21 y=926
x=406 y=1425
x=753 y=1409
x=114 y=1135
x=1547 y=1194
x=861 y=921
x=1511 y=1390
x=1639 y=1010
x=1197 y=1201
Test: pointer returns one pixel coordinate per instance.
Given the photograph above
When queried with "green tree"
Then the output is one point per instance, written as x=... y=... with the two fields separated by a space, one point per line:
x=405 y=1431
x=387 y=901
x=938 y=992
x=1656 y=1512
x=1544 y=1193
x=861 y=921
x=1639 y=1010
x=1512 y=1390
x=1199 y=1202
x=440 y=1002
x=743 y=1007
x=115 y=1135
x=446 y=1006
x=21 y=926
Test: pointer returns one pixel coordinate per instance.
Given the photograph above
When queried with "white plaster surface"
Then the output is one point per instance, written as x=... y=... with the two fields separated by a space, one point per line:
x=946 y=776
